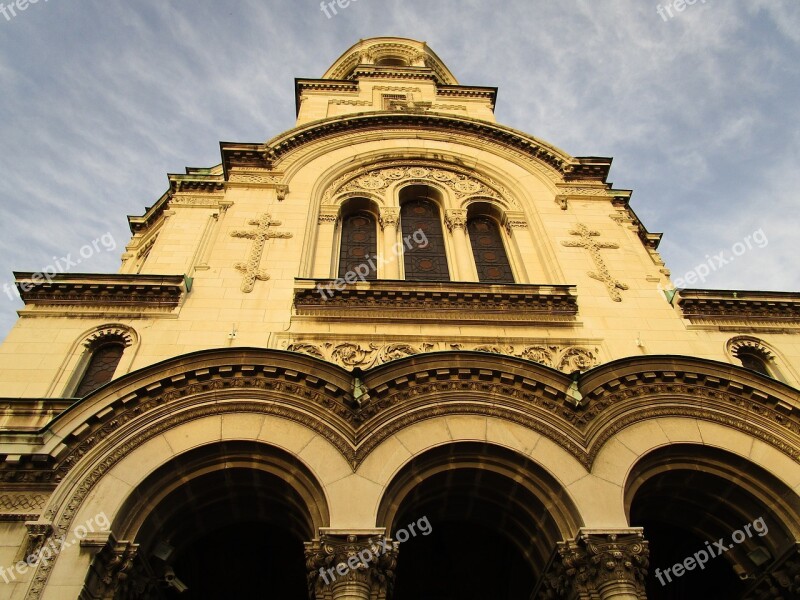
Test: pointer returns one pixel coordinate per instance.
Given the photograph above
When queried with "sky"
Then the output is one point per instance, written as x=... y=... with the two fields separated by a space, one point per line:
x=698 y=107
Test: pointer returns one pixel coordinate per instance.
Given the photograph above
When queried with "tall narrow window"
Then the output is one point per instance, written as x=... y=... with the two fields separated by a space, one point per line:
x=359 y=245
x=490 y=254
x=101 y=367
x=753 y=360
x=429 y=262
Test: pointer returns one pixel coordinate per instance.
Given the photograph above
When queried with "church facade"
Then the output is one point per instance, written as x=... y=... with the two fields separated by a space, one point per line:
x=400 y=351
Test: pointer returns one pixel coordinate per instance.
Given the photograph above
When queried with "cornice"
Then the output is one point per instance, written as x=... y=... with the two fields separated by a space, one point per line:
x=722 y=307
x=90 y=291
x=568 y=167
x=450 y=301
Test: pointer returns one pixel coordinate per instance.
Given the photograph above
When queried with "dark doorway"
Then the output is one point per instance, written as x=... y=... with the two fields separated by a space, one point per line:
x=461 y=560
x=248 y=560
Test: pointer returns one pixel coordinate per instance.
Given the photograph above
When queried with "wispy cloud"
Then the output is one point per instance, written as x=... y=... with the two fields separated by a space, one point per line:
x=102 y=98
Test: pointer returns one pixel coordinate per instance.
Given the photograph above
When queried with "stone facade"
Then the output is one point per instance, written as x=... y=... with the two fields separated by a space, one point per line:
x=583 y=386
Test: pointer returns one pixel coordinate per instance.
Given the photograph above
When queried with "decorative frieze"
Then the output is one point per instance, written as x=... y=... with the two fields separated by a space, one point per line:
x=365 y=354
x=462 y=184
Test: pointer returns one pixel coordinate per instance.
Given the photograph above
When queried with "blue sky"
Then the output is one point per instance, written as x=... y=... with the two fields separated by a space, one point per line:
x=100 y=99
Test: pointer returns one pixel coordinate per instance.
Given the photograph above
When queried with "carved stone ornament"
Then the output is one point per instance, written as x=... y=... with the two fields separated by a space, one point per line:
x=462 y=183
x=456 y=218
x=586 y=240
x=594 y=561
x=389 y=217
x=374 y=558
x=781 y=580
x=260 y=235
x=281 y=190
x=365 y=355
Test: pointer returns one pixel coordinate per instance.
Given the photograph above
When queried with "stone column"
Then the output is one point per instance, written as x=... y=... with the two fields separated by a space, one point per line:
x=351 y=566
x=604 y=564
x=324 y=252
x=456 y=221
x=390 y=261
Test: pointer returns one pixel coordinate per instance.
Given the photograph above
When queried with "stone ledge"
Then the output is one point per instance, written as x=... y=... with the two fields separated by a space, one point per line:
x=439 y=301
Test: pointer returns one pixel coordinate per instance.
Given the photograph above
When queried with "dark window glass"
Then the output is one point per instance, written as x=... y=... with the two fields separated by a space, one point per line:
x=101 y=368
x=489 y=252
x=359 y=245
x=428 y=263
x=754 y=362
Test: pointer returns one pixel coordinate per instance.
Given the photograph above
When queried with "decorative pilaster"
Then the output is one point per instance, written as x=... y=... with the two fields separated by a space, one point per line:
x=602 y=564
x=456 y=221
x=354 y=566
x=390 y=266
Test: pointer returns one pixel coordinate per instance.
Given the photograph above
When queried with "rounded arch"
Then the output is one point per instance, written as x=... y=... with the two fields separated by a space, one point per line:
x=552 y=502
x=167 y=490
x=740 y=348
x=511 y=510
x=77 y=359
x=750 y=487
x=732 y=517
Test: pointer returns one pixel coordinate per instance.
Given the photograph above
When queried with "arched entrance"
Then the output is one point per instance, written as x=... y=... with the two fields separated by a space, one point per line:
x=474 y=521
x=226 y=520
x=723 y=521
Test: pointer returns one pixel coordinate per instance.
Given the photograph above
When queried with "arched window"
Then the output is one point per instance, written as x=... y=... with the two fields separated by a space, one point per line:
x=359 y=247
x=753 y=360
x=429 y=262
x=488 y=250
x=102 y=365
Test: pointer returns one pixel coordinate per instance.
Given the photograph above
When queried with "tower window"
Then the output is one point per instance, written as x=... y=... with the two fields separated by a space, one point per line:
x=359 y=245
x=100 y=370
x=488 y=250
x=391 y=61
x=428 y=263
x=754 y=361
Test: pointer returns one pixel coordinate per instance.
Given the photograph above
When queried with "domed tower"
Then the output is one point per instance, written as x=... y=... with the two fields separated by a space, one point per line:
x=399 y=351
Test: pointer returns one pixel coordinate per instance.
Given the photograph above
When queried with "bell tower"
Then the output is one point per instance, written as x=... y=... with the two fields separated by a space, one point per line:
x=390 y=74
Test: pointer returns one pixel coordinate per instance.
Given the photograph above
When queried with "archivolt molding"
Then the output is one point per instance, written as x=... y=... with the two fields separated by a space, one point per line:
x=294 y=148
x=120 y=332
x=751 y=343
x=378 y=179
x=396 y=395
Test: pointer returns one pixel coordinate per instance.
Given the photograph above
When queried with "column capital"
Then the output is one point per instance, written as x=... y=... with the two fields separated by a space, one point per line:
x=339 y=560
x=389 y=216
x=328 y=213
x=455 y=218
x=595 y=560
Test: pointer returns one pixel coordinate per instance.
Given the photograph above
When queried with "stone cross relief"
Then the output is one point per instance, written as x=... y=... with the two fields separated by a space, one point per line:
x=586 y=240
x=260 y=235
